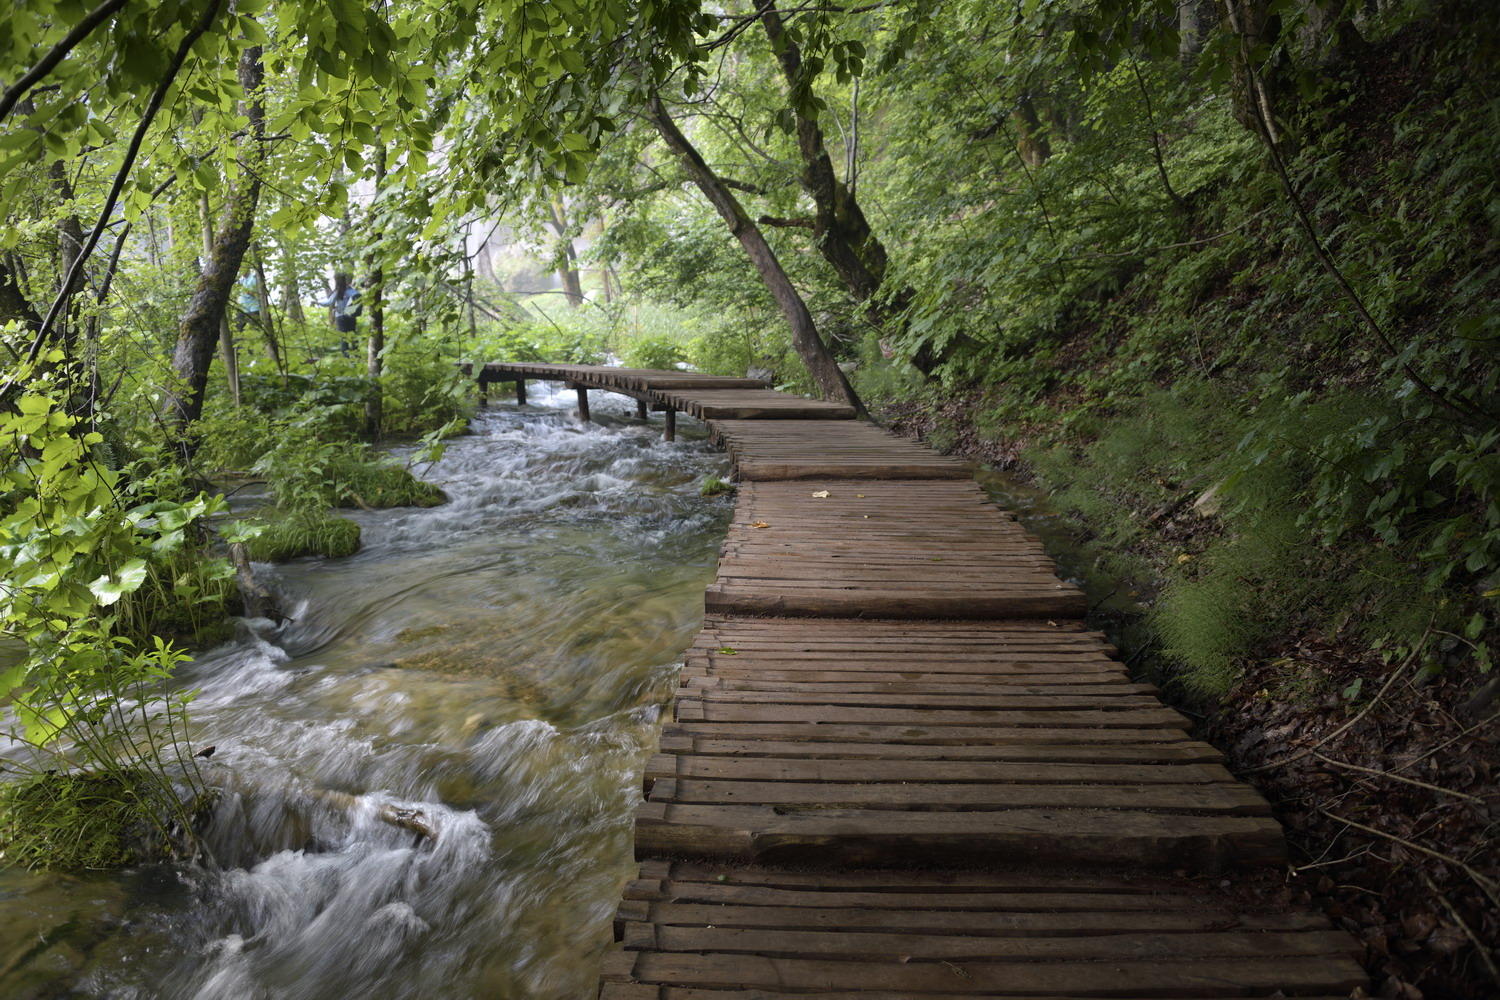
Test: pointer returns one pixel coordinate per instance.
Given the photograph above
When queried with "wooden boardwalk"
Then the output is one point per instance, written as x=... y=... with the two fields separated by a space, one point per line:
x=899 y=765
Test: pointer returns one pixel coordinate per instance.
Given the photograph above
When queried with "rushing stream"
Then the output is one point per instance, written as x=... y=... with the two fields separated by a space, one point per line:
x=497 y=664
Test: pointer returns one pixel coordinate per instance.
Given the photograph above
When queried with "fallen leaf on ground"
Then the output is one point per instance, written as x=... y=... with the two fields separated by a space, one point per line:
x=820 y=495
x=759 y=524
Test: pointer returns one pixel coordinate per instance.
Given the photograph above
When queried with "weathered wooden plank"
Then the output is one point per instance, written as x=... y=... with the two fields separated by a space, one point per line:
x=1043 y=732
x=1101 y=919
x=771 y=600
x=836 y=836
x=1186 y=800
x=1224 y=977
x=670 y=765
x=1096 y=754
x=873 y=946
x=963 y=896
x=691 y=709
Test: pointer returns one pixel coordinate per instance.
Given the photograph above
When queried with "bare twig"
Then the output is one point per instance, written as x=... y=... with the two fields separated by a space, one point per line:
x=1396 y=777
x=1161 y=166
x=1395 y=674
x=1480 y=948
x=1486 y=884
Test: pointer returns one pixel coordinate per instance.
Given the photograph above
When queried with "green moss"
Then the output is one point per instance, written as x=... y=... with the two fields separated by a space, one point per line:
x=713 y=486
x=72 y=821
x=304 y=533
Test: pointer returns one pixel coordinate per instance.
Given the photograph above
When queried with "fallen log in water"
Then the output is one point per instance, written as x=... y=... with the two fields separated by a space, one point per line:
x=411 y=820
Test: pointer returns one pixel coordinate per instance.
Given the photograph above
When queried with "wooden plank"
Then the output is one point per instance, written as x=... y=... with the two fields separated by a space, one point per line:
x=1101 y=918
x=880 y=837
x=773 y=600
x=1185 y=800
x=875 y=946
x=1098 y=753
x=964 y=897
x=905 y=732
x=667 y=765
x=695 y=710
x=1169 y=978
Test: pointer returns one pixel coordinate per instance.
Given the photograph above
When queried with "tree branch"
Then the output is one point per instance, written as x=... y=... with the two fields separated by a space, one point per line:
x=57 y=54
x=800 y=222
x=152 y=107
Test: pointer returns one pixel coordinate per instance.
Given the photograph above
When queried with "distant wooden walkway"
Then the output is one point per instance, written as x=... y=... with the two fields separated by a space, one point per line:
x=899 y=766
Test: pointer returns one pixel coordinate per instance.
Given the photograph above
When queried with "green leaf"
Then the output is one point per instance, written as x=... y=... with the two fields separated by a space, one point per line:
x=108 y=589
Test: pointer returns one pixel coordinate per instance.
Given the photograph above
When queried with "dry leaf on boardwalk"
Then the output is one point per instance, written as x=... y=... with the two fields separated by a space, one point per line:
x=820 y=495
x=759 y=524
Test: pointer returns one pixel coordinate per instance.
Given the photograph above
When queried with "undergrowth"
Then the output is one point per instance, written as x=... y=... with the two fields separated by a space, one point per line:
x=278 y=537
x=73 y=821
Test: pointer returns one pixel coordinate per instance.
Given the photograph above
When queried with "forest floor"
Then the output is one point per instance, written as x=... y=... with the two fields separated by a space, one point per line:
x=1385 y=779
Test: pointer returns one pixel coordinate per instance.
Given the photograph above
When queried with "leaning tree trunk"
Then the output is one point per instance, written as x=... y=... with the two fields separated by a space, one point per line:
x=375 y=348
x=198 y=330
x=70 y=245
x=826 y=373
x=572 y=284
x=840 y=230
x=228 y=353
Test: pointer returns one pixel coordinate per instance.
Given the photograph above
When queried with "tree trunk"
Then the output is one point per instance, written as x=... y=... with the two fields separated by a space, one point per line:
x=267 y=321
x=14 y=305
x=825 y=372
x=76 y=370
x=1251 y=19
x=227 y=351
x=1031 y=137
x=375 y=346
x=1192 y=16
x=198 y=330
x=840 y=230
x=568 y=273
x=291 y=294
x=340 y=284
x=69 y=246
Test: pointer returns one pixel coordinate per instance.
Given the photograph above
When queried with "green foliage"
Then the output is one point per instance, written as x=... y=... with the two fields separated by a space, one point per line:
x=1284 y=540
x=422 y=390
x=714 y=486
x=282 y=536
x=660 y=352
x=309 y=473
x=575 y=337
x=82 y=543
x=72 y=821
x=1244 y=591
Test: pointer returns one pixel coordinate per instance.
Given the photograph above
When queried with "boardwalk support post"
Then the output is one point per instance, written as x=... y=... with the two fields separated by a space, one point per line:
x=670 y=433
x=484 y=390
x=640 y=409
x=520 y=392
x=583 y=403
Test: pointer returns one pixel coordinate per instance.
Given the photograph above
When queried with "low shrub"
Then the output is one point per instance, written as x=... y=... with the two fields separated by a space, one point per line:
x=301 y=533
x=71 y=822
x=713 y=486
x=657 y=351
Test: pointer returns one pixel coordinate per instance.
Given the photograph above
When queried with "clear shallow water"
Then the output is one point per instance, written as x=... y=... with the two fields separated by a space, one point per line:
x=497 y=664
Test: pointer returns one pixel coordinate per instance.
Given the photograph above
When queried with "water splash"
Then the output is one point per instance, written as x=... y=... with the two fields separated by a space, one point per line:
x=428 y=773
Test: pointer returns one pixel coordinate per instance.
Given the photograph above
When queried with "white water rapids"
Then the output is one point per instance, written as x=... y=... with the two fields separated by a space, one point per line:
x=493 y=666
